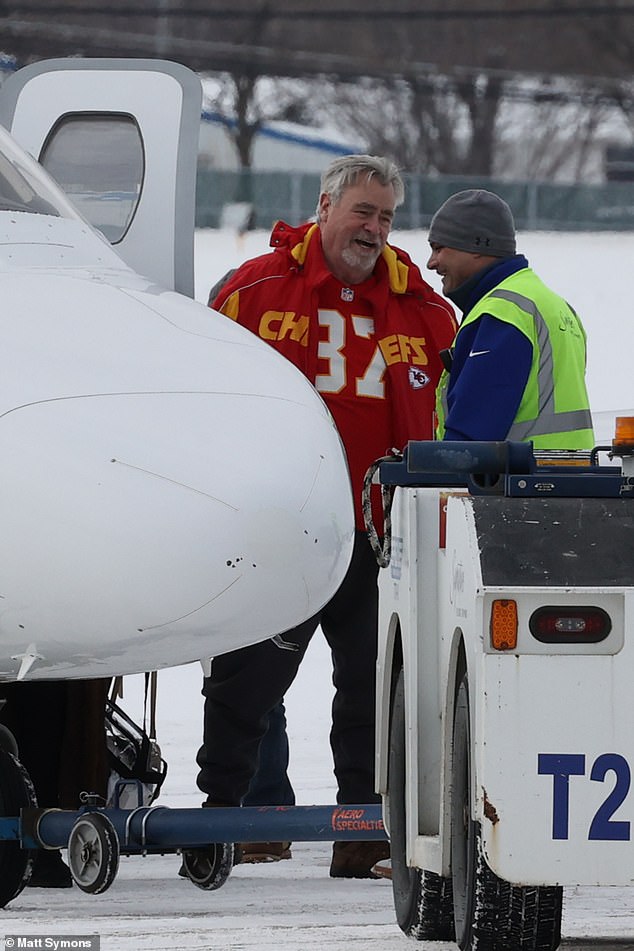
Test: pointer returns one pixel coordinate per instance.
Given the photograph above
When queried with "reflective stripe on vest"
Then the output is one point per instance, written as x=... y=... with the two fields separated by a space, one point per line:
x=548 y=421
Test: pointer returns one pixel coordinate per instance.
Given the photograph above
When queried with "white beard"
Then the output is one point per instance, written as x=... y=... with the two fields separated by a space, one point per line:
x=360 y=262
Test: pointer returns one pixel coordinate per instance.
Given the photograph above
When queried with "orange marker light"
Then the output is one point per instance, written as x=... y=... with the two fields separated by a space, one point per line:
x=504 y=625
x=623 y=432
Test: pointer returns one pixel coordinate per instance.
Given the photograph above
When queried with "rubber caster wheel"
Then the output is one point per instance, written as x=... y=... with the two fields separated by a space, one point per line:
x=209 y=867
x=93 y=853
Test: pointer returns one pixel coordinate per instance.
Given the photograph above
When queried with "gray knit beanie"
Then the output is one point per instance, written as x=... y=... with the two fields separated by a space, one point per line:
x=475 y=220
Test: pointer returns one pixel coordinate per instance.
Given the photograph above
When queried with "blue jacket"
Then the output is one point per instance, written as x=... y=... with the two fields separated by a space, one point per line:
x=480 y=405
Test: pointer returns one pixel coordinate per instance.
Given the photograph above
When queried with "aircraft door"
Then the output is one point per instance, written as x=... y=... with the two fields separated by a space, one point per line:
x=121 y=138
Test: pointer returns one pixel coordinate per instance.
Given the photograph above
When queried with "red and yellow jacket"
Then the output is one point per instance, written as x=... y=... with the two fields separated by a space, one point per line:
x=371 y=349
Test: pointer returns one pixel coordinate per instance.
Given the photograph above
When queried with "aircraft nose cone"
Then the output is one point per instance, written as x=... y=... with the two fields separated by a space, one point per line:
x=195 y=499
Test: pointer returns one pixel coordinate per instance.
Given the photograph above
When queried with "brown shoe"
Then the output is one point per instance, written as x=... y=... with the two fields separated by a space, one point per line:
x=357 y=859
x=383 y=869
x=253 y=852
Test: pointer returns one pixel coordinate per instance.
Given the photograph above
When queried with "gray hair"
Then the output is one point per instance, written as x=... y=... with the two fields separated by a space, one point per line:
x=346 y=171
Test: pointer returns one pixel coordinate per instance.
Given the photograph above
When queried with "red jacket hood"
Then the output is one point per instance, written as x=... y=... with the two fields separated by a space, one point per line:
x=403 y=275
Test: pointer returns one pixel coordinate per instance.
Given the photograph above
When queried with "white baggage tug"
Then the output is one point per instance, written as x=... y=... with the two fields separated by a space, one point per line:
x=505 y=713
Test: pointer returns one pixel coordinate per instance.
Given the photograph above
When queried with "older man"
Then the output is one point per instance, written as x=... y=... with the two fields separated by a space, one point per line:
x=356 y=317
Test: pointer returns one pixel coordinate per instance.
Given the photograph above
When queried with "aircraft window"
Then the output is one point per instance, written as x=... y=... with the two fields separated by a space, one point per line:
x=99 y=162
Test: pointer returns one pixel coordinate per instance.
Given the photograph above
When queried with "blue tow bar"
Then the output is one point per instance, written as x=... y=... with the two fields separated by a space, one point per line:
x=156 y=828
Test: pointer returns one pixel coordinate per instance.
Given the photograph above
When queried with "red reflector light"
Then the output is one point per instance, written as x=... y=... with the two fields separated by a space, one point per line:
x=570 y=625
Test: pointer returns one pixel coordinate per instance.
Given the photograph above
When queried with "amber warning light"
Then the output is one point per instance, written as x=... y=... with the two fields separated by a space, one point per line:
x=504 y=625
x=623 y=433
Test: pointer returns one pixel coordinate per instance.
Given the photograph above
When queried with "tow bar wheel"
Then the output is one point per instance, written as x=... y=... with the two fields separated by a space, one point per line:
x=209 y=867
x=93 y=853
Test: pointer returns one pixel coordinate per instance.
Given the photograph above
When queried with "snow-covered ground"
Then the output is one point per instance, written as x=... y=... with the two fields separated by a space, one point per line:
x=294 y=905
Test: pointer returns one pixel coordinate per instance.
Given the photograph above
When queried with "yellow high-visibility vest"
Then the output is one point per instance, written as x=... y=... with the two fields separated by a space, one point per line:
x=554 y=412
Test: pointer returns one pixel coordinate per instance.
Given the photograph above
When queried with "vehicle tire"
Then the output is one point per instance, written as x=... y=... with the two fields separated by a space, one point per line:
x=490 y=914
x=209 y=867
x=16 y=793
x=93 y=852
x=8 y=741
x=422 y=899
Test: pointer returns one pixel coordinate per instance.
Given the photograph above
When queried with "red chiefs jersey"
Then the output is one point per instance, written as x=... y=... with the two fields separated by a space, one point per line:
x=351 y=374
x=370 y=349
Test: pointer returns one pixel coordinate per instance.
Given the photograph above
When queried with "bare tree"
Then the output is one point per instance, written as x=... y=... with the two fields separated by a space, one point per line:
x=247 y=102
x=552 y=131
x=623 y=94
x=509 y=127
x=430 y=124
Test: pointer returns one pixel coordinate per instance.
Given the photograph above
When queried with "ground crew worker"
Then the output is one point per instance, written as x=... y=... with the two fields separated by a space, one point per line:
x=516 y=369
